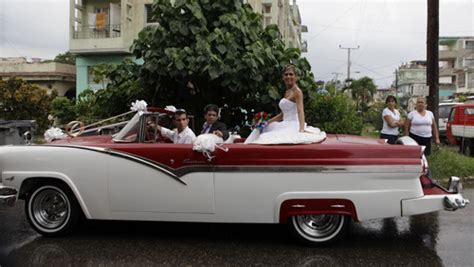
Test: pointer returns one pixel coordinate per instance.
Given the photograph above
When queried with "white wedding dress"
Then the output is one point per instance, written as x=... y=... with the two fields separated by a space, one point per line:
x=287 y=130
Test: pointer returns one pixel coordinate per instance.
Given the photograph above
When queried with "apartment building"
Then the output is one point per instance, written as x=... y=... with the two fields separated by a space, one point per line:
x=456 y=62
x=102 y=31
x=411 y=79
x=285 y=14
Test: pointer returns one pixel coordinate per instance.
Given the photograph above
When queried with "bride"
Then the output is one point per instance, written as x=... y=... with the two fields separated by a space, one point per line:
x=288 y=127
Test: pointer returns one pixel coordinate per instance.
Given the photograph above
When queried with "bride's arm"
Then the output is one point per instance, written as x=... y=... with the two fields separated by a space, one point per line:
x=300 y=108
x=278 y=117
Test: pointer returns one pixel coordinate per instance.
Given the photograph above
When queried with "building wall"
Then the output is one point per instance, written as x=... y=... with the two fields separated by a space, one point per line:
x=47 y=75
x=108 y=49
x=84 y=63
x=285 y=14
x=456 y=56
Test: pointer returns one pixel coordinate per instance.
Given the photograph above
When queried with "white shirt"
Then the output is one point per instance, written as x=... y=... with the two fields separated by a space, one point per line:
x=185 y=137
x=395 y=117
x=421 y=125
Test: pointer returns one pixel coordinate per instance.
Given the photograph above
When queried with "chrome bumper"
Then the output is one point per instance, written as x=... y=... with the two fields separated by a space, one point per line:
x=454 y=202
x=7 y=196
x=450 y=201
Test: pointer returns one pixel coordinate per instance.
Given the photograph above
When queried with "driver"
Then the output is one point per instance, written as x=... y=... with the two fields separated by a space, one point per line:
x=182 y=134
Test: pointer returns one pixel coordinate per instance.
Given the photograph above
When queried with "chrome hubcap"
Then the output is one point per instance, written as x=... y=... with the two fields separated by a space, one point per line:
x=50 y=208
x=319 y=226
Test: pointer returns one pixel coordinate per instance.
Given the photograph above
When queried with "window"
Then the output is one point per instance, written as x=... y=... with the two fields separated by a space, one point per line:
x=444 y=112
x=149 y=14
x=469 y=44
x=451 y=116
x=470 y=80
x=266 y=8
x=469 y=111
x=469 y=62
x=268 y=21
x=462 y=80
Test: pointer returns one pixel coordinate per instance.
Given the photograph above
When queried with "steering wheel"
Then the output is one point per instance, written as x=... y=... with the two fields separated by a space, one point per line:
x=74 y=126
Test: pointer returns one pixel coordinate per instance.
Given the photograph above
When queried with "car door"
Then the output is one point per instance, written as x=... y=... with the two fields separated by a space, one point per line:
x=449 y=125
x=160 y=178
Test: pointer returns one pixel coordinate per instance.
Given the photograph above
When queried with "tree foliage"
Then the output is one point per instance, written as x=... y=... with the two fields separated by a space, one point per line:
x=20 y=100
x=66 y=58
x=362 y=91
x=63 y=109
x=334 y=113
x=214 y=52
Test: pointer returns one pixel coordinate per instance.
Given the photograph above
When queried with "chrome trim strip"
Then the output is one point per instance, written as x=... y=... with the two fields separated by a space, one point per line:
x=182 y=171
x=152 y=164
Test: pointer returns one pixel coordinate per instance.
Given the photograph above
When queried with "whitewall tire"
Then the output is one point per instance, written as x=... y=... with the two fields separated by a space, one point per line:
x=319 y=229
x=52 y=209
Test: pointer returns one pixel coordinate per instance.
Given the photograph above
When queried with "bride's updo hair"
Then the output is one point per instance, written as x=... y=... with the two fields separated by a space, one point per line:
x=289 y=67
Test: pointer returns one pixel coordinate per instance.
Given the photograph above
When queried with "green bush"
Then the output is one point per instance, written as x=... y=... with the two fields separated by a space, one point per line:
x=447 y=161
x=374 y=115
x=333 y=114
x=63 y=109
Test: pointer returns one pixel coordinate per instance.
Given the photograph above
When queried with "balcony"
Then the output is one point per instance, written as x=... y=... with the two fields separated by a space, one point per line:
x=94 y=32
x=446 y=54
x=90 y=39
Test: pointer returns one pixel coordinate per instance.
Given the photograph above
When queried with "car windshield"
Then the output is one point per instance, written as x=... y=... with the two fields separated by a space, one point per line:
x=444 y=111
x=129 y=133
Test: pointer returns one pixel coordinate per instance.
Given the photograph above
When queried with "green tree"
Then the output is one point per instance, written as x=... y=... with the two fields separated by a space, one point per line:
x=20 y=100
x=64 y=109
x=333 y=113
x=215 y=52
x=362 y=91
x=66 y=58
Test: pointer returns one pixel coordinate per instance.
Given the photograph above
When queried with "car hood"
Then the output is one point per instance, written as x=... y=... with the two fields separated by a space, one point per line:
x=85 y=140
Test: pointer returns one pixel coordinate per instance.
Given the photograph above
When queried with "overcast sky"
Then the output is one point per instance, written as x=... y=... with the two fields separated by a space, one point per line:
x=389 y=32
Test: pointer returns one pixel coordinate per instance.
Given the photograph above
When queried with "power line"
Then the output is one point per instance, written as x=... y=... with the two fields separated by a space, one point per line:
x=349 y=59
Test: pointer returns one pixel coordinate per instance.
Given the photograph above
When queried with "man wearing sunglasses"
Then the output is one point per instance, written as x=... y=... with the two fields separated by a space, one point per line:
x=182 y=134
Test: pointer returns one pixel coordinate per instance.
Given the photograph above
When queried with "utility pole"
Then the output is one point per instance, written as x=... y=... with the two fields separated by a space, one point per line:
x=396 y=82
x=432 y=54
x=336 y=80
x=349 y=59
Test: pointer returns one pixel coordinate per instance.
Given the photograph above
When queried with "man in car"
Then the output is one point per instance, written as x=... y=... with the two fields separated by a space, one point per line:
x=182 y=134
x=212 y=125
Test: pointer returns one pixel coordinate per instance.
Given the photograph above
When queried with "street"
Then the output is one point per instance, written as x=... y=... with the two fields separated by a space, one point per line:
x=437 y=239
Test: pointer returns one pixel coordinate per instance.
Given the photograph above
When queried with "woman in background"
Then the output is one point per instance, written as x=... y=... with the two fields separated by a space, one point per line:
x=421 y=125
x=391 y=120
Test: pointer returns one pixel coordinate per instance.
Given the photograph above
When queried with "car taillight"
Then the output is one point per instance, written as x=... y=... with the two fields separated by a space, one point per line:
x=424 y=162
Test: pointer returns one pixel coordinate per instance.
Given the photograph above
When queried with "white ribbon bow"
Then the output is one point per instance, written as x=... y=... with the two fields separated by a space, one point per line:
x=54 y=133
x=139 y=106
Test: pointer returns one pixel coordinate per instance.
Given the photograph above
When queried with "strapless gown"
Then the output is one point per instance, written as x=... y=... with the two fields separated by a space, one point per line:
x=287 y=130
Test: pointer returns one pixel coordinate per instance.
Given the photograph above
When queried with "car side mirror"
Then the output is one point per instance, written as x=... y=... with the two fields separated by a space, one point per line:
x=27 y=136
x=236 y=129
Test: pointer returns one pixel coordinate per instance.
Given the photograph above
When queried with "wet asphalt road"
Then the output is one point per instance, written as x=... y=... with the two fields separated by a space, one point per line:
x=437 y=239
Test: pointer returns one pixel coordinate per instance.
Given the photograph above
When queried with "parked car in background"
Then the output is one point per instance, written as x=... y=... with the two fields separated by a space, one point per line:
x=460 y=128
x=444 y=110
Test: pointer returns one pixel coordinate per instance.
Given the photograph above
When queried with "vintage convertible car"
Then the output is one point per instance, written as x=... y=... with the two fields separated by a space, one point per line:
x=317 y=189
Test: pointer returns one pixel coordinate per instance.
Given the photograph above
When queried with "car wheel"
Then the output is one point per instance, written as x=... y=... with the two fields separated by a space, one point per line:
x=319 y=229
x=52 y=209
x=467 y=147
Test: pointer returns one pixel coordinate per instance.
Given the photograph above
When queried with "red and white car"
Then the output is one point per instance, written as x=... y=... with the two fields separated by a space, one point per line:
x=460 y=128
x=317 y=189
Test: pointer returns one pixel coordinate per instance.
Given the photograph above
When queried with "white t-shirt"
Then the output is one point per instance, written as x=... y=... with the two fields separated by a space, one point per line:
x=421 y=125
x=185 y=137
x=395 y=117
